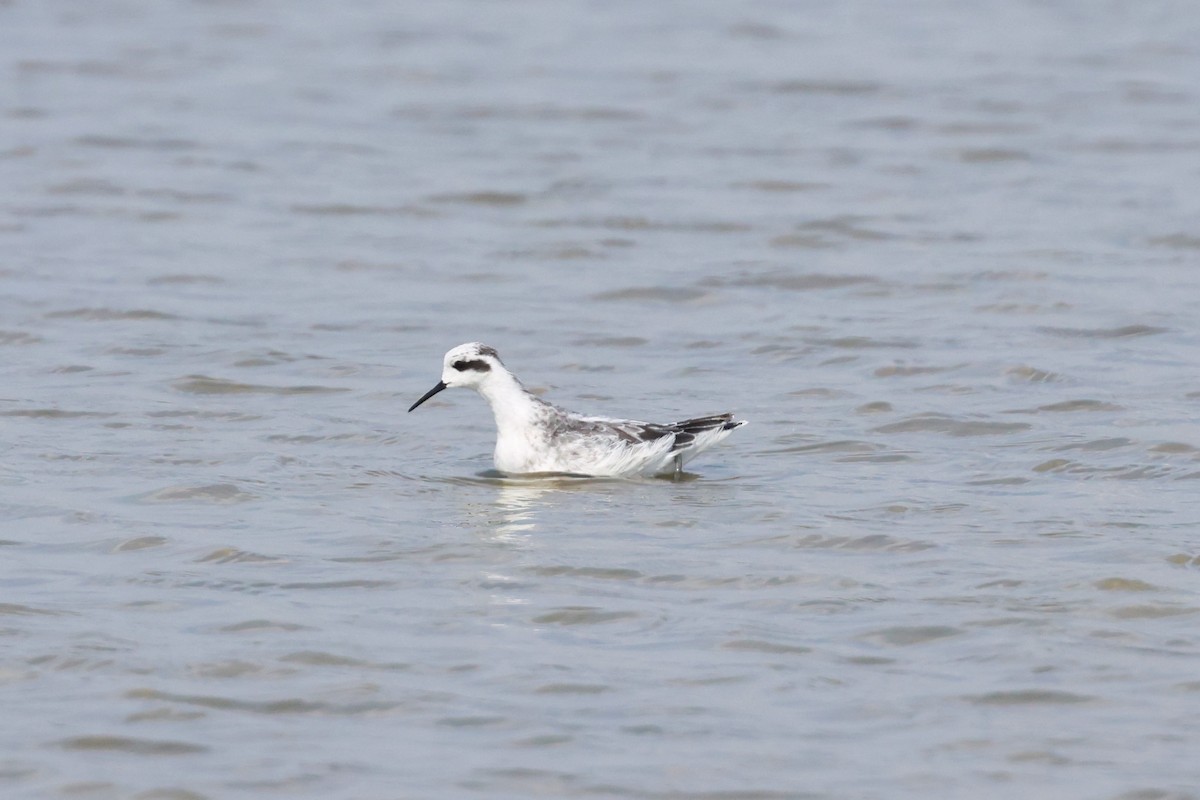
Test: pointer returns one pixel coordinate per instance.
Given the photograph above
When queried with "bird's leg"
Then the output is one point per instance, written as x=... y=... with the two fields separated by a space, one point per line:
x=678 y=466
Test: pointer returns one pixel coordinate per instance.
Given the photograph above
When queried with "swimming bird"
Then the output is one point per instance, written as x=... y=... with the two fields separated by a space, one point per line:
x=533 y=436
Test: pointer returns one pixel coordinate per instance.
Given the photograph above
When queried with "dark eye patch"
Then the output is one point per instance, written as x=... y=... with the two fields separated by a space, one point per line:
x=475 y=365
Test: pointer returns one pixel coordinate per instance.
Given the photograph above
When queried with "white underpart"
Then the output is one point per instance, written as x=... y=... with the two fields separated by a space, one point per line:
x=524 y=425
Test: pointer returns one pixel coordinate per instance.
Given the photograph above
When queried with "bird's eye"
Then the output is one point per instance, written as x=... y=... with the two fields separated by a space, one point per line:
x=475 y=365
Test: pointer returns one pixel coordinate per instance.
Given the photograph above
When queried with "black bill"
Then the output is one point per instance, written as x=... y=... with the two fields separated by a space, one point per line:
x=440 y=385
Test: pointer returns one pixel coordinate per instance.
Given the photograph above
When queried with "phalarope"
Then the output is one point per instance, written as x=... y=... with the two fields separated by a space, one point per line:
x=534 y=436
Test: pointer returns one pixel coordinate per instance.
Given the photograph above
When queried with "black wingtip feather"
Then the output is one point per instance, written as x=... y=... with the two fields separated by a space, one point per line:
x=687 y=430
x=706 y=423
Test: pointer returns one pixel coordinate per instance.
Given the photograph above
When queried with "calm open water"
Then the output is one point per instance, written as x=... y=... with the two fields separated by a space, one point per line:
x=944 y=256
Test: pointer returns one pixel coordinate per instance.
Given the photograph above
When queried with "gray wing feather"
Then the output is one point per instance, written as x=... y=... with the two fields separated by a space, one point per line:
x=684 y=431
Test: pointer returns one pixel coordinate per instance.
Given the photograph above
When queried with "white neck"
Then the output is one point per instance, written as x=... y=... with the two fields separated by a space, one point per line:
x=512 y=406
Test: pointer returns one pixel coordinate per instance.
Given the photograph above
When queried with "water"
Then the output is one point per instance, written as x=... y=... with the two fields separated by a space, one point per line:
x=943 y=257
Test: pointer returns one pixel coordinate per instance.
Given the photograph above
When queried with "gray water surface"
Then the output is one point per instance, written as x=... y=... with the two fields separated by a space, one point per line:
x=944 y=256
